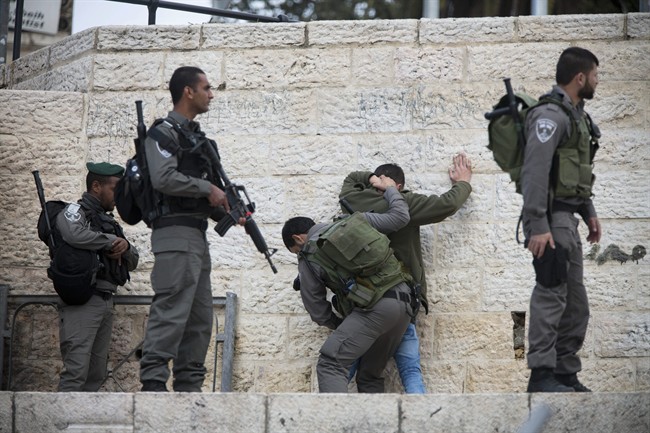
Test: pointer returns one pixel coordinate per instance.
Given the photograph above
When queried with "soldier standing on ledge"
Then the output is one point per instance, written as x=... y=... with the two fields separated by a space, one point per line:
x=183 y=177
x=85 y=330
x=557 y=183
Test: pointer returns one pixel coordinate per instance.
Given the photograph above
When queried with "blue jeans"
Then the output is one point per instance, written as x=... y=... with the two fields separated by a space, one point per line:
x=407 y=359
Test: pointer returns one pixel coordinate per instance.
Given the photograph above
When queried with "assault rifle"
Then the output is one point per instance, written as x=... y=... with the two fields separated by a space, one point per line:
x=513 y=110
x=239 y=209
x=41 y=197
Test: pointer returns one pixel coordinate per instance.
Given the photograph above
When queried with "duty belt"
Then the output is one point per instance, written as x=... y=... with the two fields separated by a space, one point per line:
x=194 y=223
x=102 y=294
x=405 y=297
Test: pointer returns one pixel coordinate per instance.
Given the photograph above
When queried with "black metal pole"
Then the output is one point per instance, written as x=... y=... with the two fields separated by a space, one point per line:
x=153 y=7
x=203 y=10
x=18 y=29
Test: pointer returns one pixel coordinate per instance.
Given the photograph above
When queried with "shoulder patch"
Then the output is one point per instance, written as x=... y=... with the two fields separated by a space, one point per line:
x=544 y=129
x=162 y=151
x=72 y=213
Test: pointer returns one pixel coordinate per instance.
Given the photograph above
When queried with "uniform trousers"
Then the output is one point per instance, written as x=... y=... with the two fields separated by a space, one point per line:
x=181 y=314
x=370 y=335
x=85 y=337
x=559 y=315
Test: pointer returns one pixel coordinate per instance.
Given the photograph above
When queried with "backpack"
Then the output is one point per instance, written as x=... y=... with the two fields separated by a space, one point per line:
x=359 y=257
x=72 y=270
x=135 y=198
x=506 y=136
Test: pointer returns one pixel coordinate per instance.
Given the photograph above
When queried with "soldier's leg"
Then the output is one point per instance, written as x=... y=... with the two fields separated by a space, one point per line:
x=189 y=366
x=78 y=326
x=547 y=306
x=99 y=352
x=174 y=280
x=354 y=337
x=573 y=325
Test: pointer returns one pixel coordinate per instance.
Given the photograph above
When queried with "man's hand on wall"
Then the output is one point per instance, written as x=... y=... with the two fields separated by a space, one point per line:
x=461 y=169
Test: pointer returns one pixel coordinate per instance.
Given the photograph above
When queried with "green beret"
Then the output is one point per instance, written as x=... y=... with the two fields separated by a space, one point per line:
x=105 y=169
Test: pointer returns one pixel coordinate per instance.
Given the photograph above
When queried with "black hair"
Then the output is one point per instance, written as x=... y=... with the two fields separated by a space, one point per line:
x=92 y=177
x=393 y=171
x=572 y=61
x=295 y=226
x=181 y=78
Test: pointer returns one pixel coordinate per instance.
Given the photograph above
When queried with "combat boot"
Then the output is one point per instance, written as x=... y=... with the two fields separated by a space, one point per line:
x=572 y=381
x=153 y=386
x=543 y=380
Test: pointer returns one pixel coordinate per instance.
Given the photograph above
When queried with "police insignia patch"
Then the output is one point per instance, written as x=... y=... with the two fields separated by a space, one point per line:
x=163 y=152
x=72 y=213
x=545 y=129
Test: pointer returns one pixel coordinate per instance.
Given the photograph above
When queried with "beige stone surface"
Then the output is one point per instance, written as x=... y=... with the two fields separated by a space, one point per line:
x=368 y=32
x=140 y=38
x=427 y=64
x=53 y=412
x=463 y=30
x=638 y=25
x=6 y=410
x=252 y=35
x=471 y=336
x=571 y=27
x=322 y=413
x=187 y=412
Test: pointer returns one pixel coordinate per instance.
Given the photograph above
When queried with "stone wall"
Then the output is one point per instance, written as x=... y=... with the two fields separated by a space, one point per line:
x=300 y=106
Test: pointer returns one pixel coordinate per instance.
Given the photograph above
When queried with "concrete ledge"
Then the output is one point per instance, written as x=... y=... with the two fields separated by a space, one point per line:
x=24 y=412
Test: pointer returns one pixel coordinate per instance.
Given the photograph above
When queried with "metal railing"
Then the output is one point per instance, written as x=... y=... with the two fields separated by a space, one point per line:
x=153 y=6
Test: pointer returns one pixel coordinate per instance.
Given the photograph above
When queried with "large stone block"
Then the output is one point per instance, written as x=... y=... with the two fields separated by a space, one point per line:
x=261 y=337
x=424 y=64
x=507 y=288
x=252 y=35
x=53 y=412
x=140 y=38
x=620 y=335
x=455 y=291
x=73 y=46
x=462 y=413
x=128 y=71
x=442 y=377
x=571 y=27
x=48 y=113
x=210 y=62
x=623 y=148
x=361 y=32
x=265 y=293
x=189 y=412
x=603 y=412
x=504 y=376
x=320 y=154
x=287 y=68
x=372 y=66
x=473 y=335
x=622 y=60
x=463 y=30
x=285 y=377
x=6 y=409
x=28 y=66
x=611 y=186
x=612 y=287
x=305 y=337
x=638 y=25
x=609 y=375
x=620 y=105
x=332 y=413
x=514 y=61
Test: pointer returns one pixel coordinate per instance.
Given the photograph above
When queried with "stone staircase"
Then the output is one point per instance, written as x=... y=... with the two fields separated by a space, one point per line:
x=33 y=412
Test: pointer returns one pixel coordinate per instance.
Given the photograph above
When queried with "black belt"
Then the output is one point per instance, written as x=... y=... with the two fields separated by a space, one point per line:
x=194 y=223
x=104 y=295
x=398 y=295
x=558 y=206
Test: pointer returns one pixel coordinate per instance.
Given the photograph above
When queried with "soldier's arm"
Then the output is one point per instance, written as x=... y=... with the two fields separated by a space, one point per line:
x=355 y=181
x=131 y=257
x=397 y=215
x=75 y=230
x=314 y=295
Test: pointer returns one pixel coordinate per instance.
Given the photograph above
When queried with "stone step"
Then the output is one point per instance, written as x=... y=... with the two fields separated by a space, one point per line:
x=34 y=412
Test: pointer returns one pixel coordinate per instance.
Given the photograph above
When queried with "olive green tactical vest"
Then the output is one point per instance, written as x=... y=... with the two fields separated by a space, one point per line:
x=354 y=287
x=572 y=174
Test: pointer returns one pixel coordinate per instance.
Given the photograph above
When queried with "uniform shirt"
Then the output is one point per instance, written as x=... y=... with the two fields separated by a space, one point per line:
x=163 y=166
x=76 y=231
x=423 y=210
x=547 y=126
x=312 y=287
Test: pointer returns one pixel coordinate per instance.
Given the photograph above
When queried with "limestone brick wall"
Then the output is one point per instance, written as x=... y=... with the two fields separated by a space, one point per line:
x=301 y=105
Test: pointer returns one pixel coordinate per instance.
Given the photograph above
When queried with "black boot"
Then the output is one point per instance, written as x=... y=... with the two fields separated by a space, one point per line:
x=543 y=380
x=153 y=386
x=572 y=381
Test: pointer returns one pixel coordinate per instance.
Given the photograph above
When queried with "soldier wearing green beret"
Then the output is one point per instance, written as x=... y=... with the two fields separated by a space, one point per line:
x=85 y=330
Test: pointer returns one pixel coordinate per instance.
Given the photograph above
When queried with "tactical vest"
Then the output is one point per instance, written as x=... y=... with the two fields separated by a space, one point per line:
x=193 y=161
x=362 y=289
x=109 y=271
x=572 y=174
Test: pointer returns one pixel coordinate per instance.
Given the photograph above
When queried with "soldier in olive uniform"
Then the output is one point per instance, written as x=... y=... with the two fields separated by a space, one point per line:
x=85 y=330
x=371 y=333
x=182 y=174
x=361 y=196
x=556 y=184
